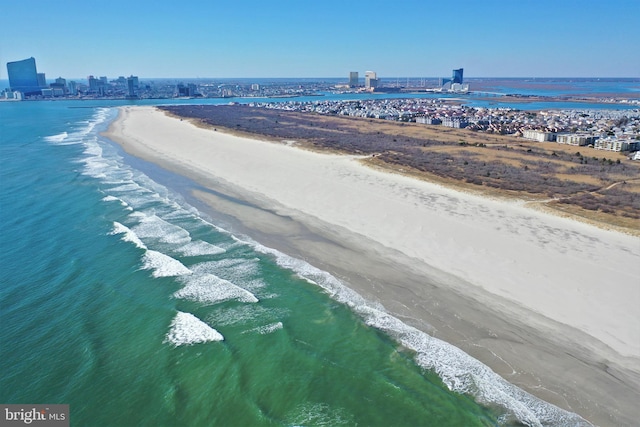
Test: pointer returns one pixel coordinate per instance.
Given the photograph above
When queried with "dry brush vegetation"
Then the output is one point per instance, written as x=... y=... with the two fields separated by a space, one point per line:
x=600 y=186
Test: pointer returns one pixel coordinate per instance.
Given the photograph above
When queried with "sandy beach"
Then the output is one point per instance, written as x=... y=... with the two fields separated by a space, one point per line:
x=549 y=303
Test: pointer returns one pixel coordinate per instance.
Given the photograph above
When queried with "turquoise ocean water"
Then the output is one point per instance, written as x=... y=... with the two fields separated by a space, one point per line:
x=120 y=299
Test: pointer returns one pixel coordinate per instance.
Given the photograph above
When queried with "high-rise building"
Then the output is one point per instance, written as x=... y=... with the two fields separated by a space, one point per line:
x=370 y=80
x=457 y=76
x=455 y=83
x=73 y=88
x=42 y=80
x=23 y=76
x=93 y=84
x=131 y=87
x=136 y=82
x=353 y=79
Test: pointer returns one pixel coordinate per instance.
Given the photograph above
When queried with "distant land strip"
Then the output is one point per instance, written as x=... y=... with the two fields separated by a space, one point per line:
x=603 y=191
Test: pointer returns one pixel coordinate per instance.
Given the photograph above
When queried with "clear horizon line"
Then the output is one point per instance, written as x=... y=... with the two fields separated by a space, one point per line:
x=395 y=77
x=346 y=78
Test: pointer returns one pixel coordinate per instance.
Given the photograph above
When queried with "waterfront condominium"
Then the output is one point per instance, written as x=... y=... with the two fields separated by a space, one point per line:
x=23 y=76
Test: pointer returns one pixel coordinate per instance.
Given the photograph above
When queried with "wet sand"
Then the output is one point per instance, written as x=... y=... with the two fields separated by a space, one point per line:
x=548 y=303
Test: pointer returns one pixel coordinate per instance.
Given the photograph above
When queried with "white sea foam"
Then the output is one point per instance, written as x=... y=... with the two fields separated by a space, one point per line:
x=318 y=414
x=79 y=136
x=230 y=264
x=121 y=173
x=183 y=212
x=256 y=286
x=137 y=199
x=187 y=329
x=95 y=163
x=99 y=117
x=200 y=248
x=130 y=187
x=266 y=329
x=163 y=265
x=94 y=150
x=247 y=314
x=57 y=138
x=245 y=272
x=238 y=270
x=336 y=289
x=117 y=199
x=144 y=194
x=129 y=236
x=125 y=187
x=242 y=268
x=211 y=289
x=152 y=226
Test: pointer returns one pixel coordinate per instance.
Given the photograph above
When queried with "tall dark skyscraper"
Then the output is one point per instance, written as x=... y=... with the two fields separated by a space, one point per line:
x=457 y=76
x=23 y=76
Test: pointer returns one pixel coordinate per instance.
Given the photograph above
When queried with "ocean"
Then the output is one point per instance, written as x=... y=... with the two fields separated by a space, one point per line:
x=123 y=300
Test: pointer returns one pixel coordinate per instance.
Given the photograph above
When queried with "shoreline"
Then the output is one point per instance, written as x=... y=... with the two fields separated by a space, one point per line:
x=525 y=337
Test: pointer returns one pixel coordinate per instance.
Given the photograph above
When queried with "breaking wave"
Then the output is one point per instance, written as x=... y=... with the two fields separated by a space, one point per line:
x=187 y=329
x=211 y=289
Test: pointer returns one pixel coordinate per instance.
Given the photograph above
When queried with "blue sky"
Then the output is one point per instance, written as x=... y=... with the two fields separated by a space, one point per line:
x=316 y=38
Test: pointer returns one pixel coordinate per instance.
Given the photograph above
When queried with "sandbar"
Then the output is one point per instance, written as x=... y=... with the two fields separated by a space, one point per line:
x=549 y=303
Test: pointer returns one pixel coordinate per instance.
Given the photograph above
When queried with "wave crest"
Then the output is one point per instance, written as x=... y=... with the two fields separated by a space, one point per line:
x=211 y=289
x=187 y=329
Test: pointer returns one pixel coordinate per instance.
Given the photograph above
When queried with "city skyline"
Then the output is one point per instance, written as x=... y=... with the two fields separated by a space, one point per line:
x=252 y=39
